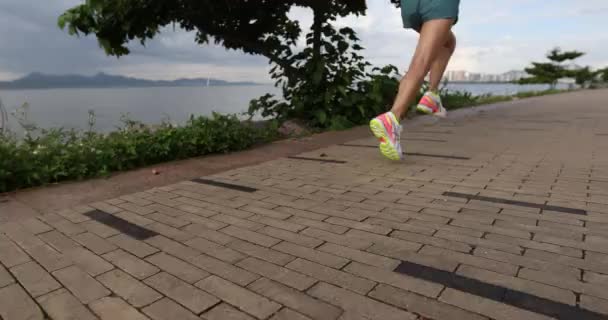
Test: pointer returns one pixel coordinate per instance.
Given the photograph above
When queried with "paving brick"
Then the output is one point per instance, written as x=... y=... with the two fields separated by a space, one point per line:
x=224 y=270
x=215 y=250
x=185 y=294
x=166 y=210
x=277 y=273
x=529 y=287
x=260 y=252
x=224 y=311
x=563 y=232
x=402 y=215
x=132 y=290
x=238 y=222
x=389 y=277
x=20 y=235
x=134 y=218
x=594 y=304
x=297 y=213
x=531 y=244
x=166 y=309
x=339 y=278
x=446 y=227
x=351 y=214
x=266 y=212
x=400 y=226
x=523 y=261
x=10 y=254
x=486 y=307
x=141 y=210
x=177 y=267
x=596 y=278
x=35 y=226
x=437 y=262
x=110 y=308
x=136 y=199
x=496 y=228
x=115 y=201
x=594 y=290
x=168 y=220
x=94 y=243
x=135 y=247
x=287 y=314
x=276 y=223
x=356 y=304
x=5 y=277
x=261 y=237
x=203 y=221
x=239 y=297
x=83 y=286
x=479 y=242
x=173 y=247
x=437 y=242
x=34 y=279
x=541 y=217
x=132 y=265
x=62 y=225
x=170 y=232
x=209 y=234
x=58 y=241
x=99 y=229
x=50 y=259
x=590 y=246
x=359 y=256
x=295 y=300
x=61 y=305
x=596 y=258
x=321 y=257
x=15 y=304
x=492 y=265
x=359 y=225
x=106 y=207
x=88 y=261
x=318 y=225
x=426 y=307
x=344 y=240
x=75 y=214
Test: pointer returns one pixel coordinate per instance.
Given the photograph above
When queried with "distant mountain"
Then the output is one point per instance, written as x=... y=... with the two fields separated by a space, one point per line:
x=38 y=80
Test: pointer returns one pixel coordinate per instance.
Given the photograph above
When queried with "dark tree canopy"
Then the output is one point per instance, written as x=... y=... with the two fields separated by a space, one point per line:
x=323 y=83
x=550 y=72
x=253 y=26
x=556 y=55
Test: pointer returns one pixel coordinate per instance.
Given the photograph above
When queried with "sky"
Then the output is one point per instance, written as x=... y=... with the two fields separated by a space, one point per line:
x=494 y=36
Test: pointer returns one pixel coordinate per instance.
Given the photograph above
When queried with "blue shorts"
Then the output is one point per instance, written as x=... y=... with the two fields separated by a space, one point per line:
x=417 y=12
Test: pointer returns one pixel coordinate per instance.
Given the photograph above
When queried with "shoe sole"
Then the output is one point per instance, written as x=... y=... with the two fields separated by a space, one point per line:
x=424 y=109
x=386 y=148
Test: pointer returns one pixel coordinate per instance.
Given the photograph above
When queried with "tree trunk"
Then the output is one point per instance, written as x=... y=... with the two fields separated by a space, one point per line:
x=317 y=29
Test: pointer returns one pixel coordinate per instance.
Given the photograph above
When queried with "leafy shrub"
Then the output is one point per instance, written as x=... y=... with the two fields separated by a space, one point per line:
x=48 y=156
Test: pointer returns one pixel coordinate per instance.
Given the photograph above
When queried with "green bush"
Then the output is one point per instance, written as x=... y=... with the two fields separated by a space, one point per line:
x=49 y=156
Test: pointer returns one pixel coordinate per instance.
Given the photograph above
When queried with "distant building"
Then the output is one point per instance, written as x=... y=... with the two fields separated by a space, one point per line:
x=461 y=75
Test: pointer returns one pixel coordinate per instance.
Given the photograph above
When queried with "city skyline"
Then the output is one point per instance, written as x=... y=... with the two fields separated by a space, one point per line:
x=467 y=76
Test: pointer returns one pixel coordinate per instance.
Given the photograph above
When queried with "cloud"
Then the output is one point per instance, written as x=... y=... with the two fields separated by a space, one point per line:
x=493 y=36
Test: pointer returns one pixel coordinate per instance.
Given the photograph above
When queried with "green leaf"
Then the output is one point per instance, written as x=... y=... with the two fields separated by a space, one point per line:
x=321 y=116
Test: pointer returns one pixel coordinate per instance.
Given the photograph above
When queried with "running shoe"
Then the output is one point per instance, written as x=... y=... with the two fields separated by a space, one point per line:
x=387 y=129
x=431 y=104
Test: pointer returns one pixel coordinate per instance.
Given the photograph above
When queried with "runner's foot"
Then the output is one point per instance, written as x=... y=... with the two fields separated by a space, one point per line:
x=387 y=129
x=431 y=104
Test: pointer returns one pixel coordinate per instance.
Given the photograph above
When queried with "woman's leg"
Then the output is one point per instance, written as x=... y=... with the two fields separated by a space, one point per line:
x=433 y=36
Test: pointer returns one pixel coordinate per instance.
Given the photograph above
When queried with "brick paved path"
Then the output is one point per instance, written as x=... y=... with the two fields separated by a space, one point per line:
x=501 y=214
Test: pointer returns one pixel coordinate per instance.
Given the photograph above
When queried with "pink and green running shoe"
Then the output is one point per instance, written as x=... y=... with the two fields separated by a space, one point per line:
x=387 y=129
x=431 y=104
